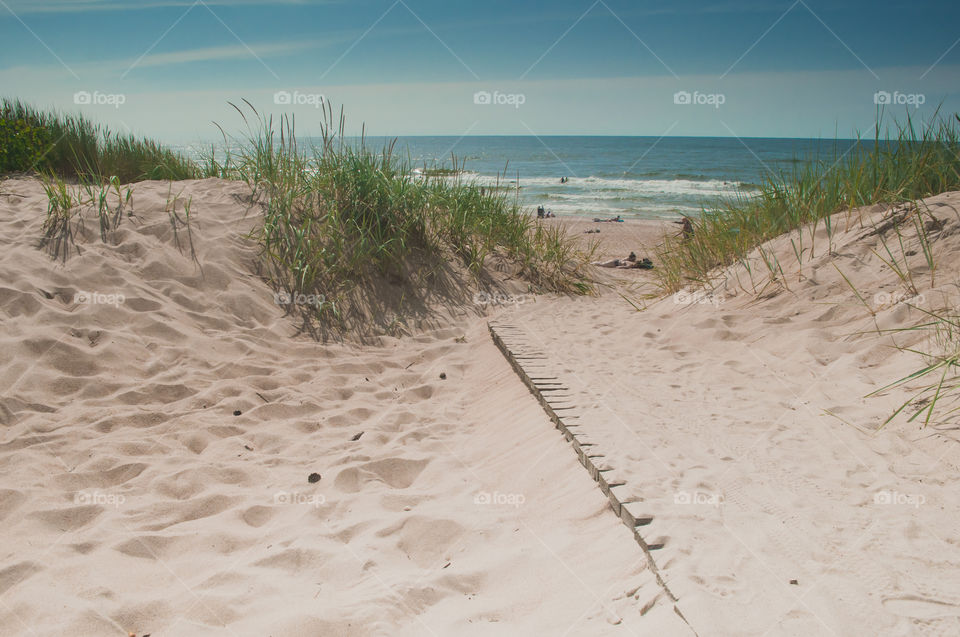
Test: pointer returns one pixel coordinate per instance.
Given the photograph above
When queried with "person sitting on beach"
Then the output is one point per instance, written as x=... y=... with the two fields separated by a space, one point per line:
x=540 y=212
x=550 y=213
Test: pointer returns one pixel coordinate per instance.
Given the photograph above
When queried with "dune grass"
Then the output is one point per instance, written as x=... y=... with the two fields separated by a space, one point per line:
x=72 y=147
x=340 y=214
x=337 y=217
x=111 y=202
x=906 y=165
x=939 y=377
x=897 y=168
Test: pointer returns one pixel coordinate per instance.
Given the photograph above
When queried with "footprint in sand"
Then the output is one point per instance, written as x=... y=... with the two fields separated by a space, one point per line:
x=398 y=473
x=69 y=519
x=424 y=540
x=257 y=516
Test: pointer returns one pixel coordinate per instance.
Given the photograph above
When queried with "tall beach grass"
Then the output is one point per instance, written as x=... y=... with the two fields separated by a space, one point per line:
x=341 y=217
x=73 y=147
x=901 y=165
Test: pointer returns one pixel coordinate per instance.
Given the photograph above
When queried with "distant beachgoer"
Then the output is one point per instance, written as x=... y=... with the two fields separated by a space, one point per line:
x=630 y=263
x=687 y=230
x=541 y=212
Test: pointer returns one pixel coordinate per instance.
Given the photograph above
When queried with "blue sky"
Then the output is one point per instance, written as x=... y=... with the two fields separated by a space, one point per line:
x=405 y=67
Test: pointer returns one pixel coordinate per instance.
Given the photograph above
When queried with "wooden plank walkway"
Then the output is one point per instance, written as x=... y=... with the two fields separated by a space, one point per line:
x=533 y=368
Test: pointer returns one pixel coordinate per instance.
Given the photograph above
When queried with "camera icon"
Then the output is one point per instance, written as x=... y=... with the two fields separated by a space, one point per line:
x=882 y=497
x=482 y=97
x=682 y=97
x=81 y=297
x=882 y=97
x=281 y=497
x=482 y=498
x=282 y=97
x=82 y=97
x=682 y=497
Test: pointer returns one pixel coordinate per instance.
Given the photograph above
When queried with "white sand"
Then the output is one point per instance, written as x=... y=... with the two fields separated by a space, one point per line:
x=133 y=500
x=717 y=416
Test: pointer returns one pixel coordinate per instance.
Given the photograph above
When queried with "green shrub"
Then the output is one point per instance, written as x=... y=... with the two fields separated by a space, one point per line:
x=22 y=145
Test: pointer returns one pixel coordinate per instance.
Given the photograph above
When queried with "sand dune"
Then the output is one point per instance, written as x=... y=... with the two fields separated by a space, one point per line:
x=161 y=424
x=737 y=420
x=176 y=459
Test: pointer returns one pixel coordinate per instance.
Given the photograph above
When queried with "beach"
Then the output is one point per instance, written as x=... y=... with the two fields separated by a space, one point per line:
x=177 y=458
x=362 y=319
x=160 y=427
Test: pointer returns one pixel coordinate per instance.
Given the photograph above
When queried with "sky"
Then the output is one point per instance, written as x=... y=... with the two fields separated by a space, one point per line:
x=740 y=68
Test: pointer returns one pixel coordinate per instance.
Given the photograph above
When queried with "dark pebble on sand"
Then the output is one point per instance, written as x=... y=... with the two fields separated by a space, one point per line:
x=313 y=477
x=443 y=376
x=794 y=582
x=357 y=437
x=237 y=412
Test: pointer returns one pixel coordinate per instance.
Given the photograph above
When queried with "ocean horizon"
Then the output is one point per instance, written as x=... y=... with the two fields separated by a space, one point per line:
x=605 y=176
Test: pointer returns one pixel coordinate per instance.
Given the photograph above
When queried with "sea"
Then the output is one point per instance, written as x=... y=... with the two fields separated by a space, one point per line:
x=605 y=177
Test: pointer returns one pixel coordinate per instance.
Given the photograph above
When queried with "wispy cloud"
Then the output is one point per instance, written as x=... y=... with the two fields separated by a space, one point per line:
x=21 y=7
x=231 y=52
